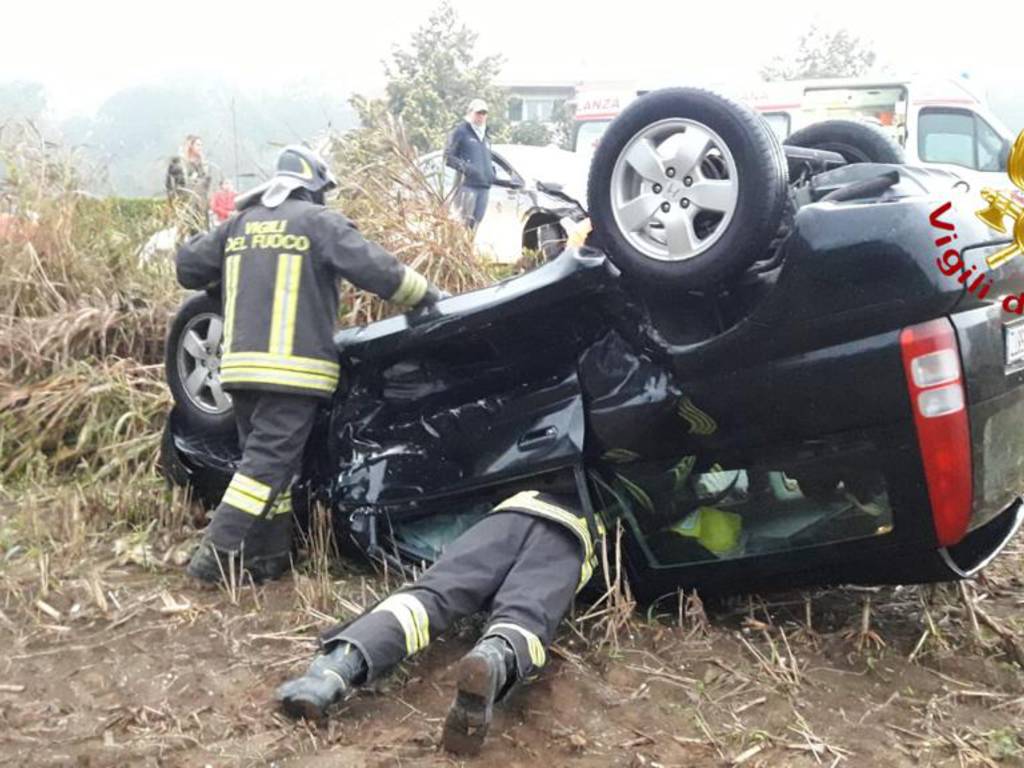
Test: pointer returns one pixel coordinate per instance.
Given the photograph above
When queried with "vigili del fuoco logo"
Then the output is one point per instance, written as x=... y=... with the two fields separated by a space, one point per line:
x=1000 y=207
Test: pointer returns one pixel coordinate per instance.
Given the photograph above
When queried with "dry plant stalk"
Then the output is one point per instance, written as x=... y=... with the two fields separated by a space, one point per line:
x=321 y=548
x=613 y=612
x=82 y=323
x=100 y=417
x=32 y=348
x=395 y=204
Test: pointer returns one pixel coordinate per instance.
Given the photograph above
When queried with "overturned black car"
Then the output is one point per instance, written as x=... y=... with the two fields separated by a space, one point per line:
x=755 y=366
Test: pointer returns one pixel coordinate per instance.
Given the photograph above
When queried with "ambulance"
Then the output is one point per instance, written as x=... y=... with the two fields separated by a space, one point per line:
x=938 y=122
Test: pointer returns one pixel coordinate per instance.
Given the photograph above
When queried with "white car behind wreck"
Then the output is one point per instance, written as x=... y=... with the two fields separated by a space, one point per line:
x=534 y=203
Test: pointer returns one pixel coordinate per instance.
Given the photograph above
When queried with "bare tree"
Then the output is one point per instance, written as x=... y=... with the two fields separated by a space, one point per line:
x=822 y=53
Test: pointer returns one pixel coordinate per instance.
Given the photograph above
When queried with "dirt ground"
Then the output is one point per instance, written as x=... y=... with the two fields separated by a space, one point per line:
x=110 y=657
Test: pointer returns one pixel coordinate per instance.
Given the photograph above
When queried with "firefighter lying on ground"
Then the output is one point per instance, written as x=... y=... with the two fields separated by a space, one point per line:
x=523 y=563
x=279 y=262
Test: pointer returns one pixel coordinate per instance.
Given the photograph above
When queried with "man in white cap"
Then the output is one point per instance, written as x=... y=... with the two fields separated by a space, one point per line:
x=279 y=263
x=469 y=153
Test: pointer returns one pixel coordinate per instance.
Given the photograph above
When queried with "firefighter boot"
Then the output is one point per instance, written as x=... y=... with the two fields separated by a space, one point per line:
x=265 y=555
x=331 y=677
x=482 y=675
x=212 y=566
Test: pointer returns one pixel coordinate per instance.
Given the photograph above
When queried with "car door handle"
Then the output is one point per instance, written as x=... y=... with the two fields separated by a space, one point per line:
x=538 y=437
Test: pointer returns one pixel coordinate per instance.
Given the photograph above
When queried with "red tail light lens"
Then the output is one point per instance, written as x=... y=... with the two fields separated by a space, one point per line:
x=931 y=359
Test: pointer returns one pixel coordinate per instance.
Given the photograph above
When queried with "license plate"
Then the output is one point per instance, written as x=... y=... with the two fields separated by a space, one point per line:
x=1014 y=335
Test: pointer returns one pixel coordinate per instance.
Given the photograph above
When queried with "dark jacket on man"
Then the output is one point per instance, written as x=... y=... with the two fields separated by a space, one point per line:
x=174 y=180
x=279 y=270
x=470 y=156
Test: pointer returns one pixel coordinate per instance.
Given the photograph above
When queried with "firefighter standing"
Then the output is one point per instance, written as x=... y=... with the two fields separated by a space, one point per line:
x=524 y=562
x=279 y=262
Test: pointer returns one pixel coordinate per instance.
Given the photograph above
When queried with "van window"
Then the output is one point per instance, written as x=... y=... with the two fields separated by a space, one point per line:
x=778 y=122
x=958 y=137
x=882 y=106
x=990 y=146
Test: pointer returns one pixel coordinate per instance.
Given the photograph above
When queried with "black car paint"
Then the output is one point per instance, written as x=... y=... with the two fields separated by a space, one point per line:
x=556 y=368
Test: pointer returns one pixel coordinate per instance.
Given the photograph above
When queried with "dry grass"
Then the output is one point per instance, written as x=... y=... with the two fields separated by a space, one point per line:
x=99 y=418
x=612 y=615
x=82 y=325
x=64 y=248
x=391 y=200
x=32 y=348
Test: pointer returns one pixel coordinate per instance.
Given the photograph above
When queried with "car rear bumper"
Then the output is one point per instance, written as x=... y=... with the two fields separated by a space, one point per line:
x=981 y=545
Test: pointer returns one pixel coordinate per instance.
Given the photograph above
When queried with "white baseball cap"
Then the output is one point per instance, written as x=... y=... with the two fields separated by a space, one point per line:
x=477 y=105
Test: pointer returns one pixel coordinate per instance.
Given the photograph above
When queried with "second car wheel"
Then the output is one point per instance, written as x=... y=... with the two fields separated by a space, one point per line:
x=857 y=142
x=192 y=361
x=686 y=189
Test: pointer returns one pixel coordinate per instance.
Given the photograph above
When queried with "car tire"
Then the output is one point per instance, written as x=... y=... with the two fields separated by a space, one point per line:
x=204 y=488
x=673 y=151
x=192 y=364
x=857 y=142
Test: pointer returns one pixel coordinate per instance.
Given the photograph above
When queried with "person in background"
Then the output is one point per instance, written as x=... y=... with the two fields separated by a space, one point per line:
x=174 y=179
x=223 y=202
x=469 y=152
x=187 y=183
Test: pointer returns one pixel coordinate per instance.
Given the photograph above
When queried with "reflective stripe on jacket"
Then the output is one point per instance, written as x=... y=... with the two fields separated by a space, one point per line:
x=279 y=270
x=545 y=505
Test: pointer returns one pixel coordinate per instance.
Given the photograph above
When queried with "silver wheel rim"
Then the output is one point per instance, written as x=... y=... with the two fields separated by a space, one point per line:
x=199 y=350
x=674 y=189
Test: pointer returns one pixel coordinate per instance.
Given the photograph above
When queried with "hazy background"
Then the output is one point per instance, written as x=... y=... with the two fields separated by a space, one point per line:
x=125 y=81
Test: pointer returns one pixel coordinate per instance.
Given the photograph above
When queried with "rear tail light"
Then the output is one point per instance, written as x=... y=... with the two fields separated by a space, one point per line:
x=931 y=360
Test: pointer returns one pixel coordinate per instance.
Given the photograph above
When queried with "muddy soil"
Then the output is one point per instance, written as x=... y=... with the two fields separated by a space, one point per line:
x=106 y=662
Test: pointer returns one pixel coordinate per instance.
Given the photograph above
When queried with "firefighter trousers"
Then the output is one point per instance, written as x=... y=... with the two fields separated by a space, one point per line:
x=254 y=517
x=524 y=569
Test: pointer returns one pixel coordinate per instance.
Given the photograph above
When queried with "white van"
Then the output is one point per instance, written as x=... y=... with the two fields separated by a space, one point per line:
x=939 y=122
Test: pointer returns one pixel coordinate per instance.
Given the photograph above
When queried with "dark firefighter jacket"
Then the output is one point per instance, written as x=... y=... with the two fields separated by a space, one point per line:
x=470 y=156
x=553 y=508
x=279 y=270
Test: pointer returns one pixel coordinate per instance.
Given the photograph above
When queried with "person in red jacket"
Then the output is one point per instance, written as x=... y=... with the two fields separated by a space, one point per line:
x=223 y=202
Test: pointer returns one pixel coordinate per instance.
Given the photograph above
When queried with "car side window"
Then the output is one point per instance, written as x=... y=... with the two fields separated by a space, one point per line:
x=679 y=515
x=958 y=137
x=504 y=176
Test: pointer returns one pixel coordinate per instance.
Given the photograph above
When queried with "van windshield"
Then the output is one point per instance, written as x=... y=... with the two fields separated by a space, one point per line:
x=588 y=134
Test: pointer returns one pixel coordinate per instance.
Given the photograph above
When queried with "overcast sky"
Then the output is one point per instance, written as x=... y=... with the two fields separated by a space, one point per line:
x=85 y=51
